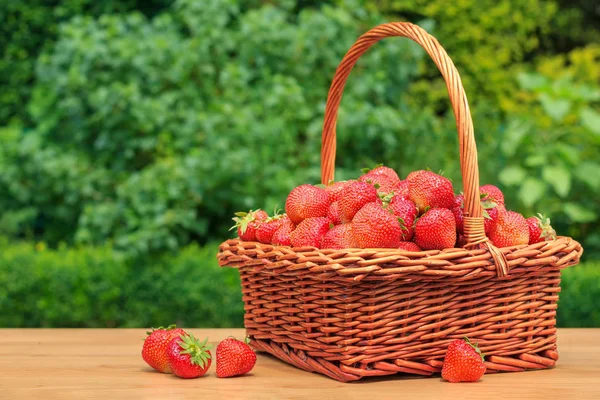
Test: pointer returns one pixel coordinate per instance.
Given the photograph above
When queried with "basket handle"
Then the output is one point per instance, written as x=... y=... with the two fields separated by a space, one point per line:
x=473 y=221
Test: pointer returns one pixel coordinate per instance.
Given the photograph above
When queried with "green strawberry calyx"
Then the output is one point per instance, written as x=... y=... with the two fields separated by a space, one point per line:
x=548 y=233
x=242 y=219
x=197 y=350
x=475 y=347
x=160 y=328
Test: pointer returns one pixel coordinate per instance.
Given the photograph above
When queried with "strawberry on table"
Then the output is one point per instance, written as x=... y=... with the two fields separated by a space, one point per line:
x=463 y=362
x=306 y=201
x=540 y=229
x=234 y=358
x=248 y=223
x=436 y=230
x=428 y=189
x=511 y=229
x=268 y=227
x=356 y=194
x=154 y=350
x=339 y=237
x=376 y=227
x=310 y=232
x=188 y=357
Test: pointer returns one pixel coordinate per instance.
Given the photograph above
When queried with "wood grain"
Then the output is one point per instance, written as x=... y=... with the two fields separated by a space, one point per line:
x=106 y=364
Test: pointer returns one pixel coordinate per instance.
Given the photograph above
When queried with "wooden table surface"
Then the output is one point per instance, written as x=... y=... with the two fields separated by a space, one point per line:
x=106 y=364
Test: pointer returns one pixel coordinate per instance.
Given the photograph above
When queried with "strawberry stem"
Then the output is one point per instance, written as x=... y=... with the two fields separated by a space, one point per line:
x=198 y=352
x=474 y=346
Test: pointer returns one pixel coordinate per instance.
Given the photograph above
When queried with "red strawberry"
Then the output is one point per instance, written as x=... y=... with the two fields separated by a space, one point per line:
x=334 y=213
x=339 y=237
x=511 y=229
x=428 y=189
x=436 y=230
x=458 y=211
x=409 y=246
x=540 y=229
x=336 y=189
x=463 y=363
x=188 y=357
x=376 y=227
x=406 y=211
x=310 y=232
x=354 y=197
x=234 y=358
x=306 y=201
x=247 y=223
x=385 y=178
x=490 y=219
x=281 y=237
x=268 y=227
x=154 y=351
x=461 y=241
x=402 y=189
x=491 y=193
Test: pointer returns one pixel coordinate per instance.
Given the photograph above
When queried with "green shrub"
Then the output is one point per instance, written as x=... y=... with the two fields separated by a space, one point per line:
x=96 y=287
x=579 y=301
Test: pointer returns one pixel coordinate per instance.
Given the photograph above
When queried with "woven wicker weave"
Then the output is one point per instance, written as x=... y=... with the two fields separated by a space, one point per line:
x=369 y=312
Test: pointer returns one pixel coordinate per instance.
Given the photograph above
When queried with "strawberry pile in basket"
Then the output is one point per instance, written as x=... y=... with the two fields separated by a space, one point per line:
x=379 y=210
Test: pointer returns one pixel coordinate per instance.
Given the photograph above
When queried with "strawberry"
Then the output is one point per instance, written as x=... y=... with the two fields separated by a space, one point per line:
x=247 y=223
x=436 y=230
x=306 y=201
x=385 y=179
x=491 y=193
x=458 y=211
x=491 y=216
x=234 y=358
x=356 y=194
x=188 y=357
x=461 y=240
x=406 y=212
x=281 y=237
x=264 y=233
x=428 y=189
x=408 y=246
x=336 y=189
x=402 y=189
x=463 y=362
x=540 y=229
x=339 y=237
x=310 y=232
x=376 y=227
x=334 y=213
x=154 y=351
x=510 y=229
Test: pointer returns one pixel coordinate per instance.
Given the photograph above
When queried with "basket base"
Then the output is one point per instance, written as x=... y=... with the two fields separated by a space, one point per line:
x=346 y=373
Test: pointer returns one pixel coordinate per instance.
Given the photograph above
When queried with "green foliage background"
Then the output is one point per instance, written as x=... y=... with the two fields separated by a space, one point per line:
x=132 y=131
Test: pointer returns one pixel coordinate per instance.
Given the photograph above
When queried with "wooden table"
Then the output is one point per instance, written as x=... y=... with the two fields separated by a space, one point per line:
x=106 y=364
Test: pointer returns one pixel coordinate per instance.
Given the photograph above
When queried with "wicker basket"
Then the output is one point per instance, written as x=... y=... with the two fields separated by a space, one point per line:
x=353 y=313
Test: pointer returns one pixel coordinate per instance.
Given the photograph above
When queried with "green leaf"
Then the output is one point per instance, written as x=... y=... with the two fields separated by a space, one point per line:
x=531 y=191
x=535 y=160
x=559 y=178
x=512 y=175
x=557 y=109
x=515 y=132
x=532 y=81
x=578 y=213
x=590 y=119
x=589 y=173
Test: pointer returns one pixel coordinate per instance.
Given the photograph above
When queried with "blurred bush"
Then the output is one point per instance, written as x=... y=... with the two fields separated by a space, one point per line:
x=96 y=287
x=141 y=127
